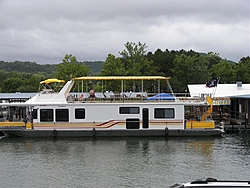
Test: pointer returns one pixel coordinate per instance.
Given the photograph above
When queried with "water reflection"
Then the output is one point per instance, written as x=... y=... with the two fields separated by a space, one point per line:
x=245 y=137
x=121 y=162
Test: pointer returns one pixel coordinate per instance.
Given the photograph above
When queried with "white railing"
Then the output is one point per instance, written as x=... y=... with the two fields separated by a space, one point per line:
x=133 y=96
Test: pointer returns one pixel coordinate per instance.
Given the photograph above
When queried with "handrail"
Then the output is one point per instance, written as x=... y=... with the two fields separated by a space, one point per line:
x=209 y=111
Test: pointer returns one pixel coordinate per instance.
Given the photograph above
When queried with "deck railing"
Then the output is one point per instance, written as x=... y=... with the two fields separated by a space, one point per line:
x=131 y=97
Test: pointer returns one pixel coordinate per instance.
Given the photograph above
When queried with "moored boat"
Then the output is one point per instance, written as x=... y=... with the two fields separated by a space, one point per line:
x=67 y=114
x=212 y=182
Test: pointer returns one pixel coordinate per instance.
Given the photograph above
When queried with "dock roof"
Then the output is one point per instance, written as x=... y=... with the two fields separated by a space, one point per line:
x=17 y=95
x=222 y=90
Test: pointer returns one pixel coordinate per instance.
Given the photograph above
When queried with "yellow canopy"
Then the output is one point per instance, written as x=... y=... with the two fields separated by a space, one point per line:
x=123 y=78
x=48 y=81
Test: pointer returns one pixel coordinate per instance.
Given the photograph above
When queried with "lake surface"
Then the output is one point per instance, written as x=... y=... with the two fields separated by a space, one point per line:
x=136 y=162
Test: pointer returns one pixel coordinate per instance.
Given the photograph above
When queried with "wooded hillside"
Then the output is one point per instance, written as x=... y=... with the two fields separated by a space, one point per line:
x=183 y=67
x=34 y=68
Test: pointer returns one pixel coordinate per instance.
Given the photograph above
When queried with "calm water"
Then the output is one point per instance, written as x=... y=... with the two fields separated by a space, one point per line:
x=121 y=162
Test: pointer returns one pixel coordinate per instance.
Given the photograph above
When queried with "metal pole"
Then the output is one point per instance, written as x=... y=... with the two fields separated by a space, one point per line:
x=246 y=121
x=102 y=86
x=122 y=91
x=159 y=86
x=82 y=85
x=122 y=86
x=141 y=89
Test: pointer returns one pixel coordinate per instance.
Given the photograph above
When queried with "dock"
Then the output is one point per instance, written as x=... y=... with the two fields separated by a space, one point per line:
x=236 y=128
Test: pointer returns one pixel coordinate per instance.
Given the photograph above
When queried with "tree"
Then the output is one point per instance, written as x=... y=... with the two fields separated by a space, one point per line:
x=163 y=60
x=28 y=67
x=135 y=61
x=189 y=70
x=71 y=68
x=10 y=85
x=213 y=58
x=3 y=76
x=243 y=68
x=32 y=83
x=113 y=67
x=224 y=70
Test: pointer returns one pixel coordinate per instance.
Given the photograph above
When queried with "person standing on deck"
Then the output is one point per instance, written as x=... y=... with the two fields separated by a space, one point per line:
x=29 y=119
x=92 y=94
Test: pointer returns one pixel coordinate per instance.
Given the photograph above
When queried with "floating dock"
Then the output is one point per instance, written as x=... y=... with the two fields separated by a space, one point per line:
x=235 y=128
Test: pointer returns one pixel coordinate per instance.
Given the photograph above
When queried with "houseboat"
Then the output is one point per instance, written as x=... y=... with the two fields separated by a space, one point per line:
x=65 y=113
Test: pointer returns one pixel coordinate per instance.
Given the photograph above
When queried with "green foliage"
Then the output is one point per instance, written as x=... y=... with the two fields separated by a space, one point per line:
x=3 y=76
x=11 y=85
x=184 y=67
x=135 y=60
x=225 y=71
x=243 y=70
x=27 y=67
x=163 y=60
x=20 y=82
x=136 y=63
x=113 y=67
x=189 y=70
x=213 y=58
x=95 y=66
x=70 y=68
x=32 y=83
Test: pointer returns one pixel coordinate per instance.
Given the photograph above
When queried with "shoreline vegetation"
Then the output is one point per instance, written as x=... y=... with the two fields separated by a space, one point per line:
x=183 y=67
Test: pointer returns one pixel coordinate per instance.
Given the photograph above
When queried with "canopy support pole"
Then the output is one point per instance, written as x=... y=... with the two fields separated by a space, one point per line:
x=122 y=91
x=142 y=90
x=159 y=90
x=82 y=86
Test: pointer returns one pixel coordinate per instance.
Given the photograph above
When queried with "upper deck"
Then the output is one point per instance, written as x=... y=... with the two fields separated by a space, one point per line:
x=66 y=95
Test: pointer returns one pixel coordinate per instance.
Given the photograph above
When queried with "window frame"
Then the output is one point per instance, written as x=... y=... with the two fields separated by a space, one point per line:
x=50 y=115
x=77 y=116
x=129 y=110
x=164 y=113
x=62 y=115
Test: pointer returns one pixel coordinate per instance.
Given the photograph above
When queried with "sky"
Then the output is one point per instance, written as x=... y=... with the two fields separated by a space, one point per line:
x=43 y=31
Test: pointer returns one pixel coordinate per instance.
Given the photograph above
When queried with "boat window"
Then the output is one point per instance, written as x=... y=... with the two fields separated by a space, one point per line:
x=34 y=114
x=62 y=115
x=79 y=113
x=129 y=110
x=46 y=115
x=164 y=113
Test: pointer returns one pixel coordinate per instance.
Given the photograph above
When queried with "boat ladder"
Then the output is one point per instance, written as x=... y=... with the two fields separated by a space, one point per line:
x=169 y=86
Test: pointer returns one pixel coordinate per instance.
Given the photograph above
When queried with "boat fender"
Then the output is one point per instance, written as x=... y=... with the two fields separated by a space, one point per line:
x=54 y=133
x=222 y=125
x=166 y=131
x=93 y=132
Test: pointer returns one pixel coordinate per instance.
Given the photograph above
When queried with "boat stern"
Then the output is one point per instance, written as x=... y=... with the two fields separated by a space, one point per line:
x=200 y=125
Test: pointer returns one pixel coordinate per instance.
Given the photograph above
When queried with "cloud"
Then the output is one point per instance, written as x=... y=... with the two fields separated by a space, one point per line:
x=44 y=31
